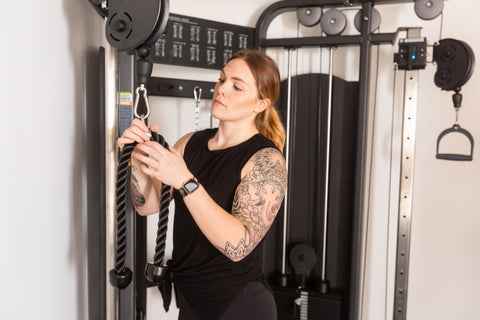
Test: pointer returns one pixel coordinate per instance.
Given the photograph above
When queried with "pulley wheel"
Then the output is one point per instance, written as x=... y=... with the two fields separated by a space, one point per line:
x=303 y=258
x=333 y=22
x=455 y=63
x=309 y=16
x=428 y=9
x=130 y=25
x=375 y=20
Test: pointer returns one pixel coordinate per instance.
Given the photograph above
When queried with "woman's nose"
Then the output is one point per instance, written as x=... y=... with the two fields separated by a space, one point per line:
x=220 y=88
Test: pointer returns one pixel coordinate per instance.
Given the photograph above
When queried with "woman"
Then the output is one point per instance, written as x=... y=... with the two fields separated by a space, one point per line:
x=228 y=185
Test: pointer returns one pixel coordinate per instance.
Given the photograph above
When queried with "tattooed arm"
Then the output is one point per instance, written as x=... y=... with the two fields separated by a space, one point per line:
x=144 y=191
x=256 y=203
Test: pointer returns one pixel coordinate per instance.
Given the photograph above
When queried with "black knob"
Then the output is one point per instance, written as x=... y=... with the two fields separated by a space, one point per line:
x=155 y=274
x=122 y=279
x=120 y=26
x=143 y=51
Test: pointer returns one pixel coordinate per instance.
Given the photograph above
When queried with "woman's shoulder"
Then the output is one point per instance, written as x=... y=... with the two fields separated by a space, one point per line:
x=183 y=141
x=266 y=161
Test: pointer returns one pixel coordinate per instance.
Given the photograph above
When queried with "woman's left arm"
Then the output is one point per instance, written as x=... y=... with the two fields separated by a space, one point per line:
x=256 y=203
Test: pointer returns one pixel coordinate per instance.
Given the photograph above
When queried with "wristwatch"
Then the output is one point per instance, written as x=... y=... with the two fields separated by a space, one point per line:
x=189 y=186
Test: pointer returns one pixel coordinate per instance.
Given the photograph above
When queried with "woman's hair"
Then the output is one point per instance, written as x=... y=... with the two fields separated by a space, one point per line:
x=266 y=74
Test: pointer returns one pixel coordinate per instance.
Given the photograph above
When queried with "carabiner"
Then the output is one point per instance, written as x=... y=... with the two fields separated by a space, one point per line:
x=197 y=94
x=137 y=99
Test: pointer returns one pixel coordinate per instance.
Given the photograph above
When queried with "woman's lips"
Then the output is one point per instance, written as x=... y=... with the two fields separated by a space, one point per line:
x=218 y=103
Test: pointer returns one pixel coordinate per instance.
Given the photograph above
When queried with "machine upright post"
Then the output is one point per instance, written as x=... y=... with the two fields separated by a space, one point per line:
x=110 y=169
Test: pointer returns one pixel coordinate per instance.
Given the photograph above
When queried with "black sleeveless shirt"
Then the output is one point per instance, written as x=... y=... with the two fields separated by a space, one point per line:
x=205 y=277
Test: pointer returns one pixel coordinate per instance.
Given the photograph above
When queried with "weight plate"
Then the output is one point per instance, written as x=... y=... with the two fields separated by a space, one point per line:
x=375 y=18
x=333 y=22
x=428 y=9
x=309 y=16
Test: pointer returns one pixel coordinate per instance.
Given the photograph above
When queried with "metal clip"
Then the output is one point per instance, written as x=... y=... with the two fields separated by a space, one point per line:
x=197 y=94
x=137 y=99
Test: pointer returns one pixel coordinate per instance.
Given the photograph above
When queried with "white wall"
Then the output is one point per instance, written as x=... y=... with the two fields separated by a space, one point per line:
x=43 y=67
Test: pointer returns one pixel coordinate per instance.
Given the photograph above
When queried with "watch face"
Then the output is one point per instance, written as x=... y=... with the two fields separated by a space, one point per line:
x=191 y=186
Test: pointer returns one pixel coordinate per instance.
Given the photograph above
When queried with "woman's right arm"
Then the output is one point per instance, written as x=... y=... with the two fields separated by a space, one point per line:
x=144 y=190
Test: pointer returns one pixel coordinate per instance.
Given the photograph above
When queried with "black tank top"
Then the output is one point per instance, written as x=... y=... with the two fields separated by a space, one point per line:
x=205 y=277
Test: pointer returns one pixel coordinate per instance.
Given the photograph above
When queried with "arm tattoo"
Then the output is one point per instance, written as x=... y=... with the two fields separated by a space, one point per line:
x=137 y=197
x=257 y=200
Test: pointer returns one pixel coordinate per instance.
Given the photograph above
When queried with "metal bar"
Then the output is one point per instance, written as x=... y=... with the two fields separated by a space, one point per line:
x=125 y=87
x=327 y=41
x=360 y=163
x=405 y=195
x=110 y=161
x=287 y=161
x=277 y=8
x=327 y=164
x=179 y=88
x=407 y=164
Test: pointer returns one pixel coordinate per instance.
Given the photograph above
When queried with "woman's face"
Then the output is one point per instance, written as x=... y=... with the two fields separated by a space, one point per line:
x=236 y=95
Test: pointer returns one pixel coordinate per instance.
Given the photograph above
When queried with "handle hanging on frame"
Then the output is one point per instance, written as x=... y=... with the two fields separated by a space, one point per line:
x=454 y=156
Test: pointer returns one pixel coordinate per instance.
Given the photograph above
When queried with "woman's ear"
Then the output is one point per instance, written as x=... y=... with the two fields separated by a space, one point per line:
x=262 y=105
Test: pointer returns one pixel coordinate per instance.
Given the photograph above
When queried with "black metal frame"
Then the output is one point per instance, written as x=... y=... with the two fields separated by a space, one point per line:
x=365 y=40
x=179 y=88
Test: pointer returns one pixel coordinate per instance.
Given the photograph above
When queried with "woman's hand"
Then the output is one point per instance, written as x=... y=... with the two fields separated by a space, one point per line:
x=161 y=164
x=137 y=132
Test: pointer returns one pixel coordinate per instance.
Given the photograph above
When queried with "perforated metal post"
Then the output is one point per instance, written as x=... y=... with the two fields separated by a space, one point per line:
x=407 y=164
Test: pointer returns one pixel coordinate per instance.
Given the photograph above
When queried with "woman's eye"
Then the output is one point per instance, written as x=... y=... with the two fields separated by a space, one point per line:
x=221 y=80
x=237 y=88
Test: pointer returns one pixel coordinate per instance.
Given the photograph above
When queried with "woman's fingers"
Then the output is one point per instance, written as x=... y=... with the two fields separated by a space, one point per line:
x=154 y=128
x=137 y=132
x=151 y=148
x=140 y=133
x=145 y=159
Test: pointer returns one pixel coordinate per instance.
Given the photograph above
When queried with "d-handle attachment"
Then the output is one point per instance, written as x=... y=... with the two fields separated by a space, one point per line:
x=454 y=156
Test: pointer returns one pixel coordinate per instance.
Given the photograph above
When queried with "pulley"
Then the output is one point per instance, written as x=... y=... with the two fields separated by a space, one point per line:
x=309 y=16
x=132 y=23
x=333 y=22
x=303 y=259
x=374 y=20
x=455 y=63
x=428 y=9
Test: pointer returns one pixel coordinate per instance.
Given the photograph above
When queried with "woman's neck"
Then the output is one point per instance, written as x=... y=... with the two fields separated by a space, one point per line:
x=229 y=135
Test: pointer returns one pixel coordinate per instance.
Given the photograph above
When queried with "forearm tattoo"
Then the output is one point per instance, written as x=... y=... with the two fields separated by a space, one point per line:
x=137 y=197
x=257 y=201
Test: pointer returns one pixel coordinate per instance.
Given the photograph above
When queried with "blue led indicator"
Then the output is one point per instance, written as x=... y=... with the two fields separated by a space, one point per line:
x=413 y=56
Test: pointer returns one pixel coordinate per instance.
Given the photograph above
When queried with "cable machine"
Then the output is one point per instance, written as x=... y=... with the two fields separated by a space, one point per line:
x=133 y=30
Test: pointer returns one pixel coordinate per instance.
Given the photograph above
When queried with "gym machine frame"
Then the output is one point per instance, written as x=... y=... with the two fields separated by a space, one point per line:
x=365 y=40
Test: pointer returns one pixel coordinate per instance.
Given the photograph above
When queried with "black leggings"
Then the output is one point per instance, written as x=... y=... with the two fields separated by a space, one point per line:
x=253 y=302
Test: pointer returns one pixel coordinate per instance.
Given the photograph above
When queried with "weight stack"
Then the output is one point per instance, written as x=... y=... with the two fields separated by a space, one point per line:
x=313 y=305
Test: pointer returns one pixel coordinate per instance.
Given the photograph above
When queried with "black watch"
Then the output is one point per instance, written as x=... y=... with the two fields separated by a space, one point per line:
x=189 y=186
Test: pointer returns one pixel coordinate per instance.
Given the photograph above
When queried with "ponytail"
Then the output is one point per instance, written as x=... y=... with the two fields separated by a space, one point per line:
x=268 y=123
